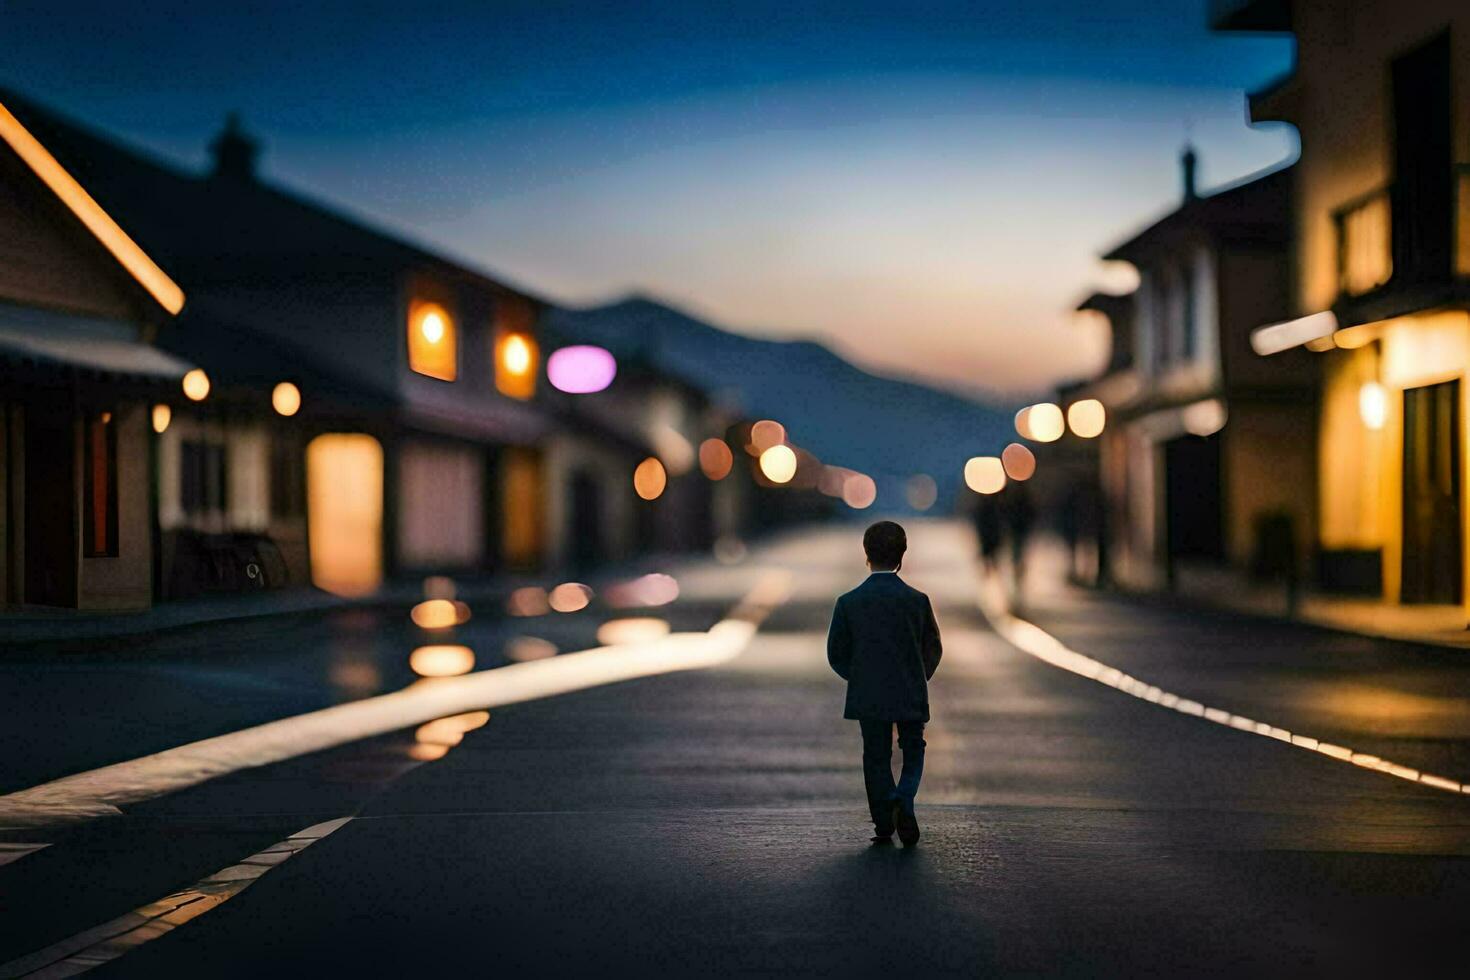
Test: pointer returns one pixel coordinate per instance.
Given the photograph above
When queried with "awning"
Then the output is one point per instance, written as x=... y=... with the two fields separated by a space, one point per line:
x=104 y=346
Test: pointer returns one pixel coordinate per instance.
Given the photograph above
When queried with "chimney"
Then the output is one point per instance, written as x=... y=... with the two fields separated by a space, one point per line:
x=234 y=152
x=1189 y=163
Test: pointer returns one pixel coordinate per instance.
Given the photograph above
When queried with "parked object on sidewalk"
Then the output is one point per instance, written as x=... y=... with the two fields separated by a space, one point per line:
x=1275 y=556
x=213 y=563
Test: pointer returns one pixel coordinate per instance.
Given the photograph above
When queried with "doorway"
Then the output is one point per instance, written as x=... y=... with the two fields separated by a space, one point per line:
x=52 y=554
x=344 y=508
x=1194 y=506
x=1431 y=563
x=586 y=549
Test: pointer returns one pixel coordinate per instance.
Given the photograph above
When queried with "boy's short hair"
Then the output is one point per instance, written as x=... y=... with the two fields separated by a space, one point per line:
x=885 y=544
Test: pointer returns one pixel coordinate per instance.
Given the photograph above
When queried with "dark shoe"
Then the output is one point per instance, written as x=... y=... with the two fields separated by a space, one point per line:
x=881 y=840
x=907 y=823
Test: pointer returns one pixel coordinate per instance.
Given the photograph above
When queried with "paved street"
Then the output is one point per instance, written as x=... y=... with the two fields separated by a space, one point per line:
x=711 y=821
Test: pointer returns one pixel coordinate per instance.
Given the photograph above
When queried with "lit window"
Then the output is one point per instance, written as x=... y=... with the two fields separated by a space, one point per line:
x=101 y=487
x=515 y=365
x=432 y=348
x=517 y=357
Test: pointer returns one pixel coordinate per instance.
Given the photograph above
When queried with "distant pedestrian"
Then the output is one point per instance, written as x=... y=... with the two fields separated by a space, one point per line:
x=885 y=643
x=988 y=530
x=1018 y=517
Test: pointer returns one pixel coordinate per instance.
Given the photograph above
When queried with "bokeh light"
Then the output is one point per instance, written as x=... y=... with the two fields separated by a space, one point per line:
x=715 y=458
x=859 y=491
x=765 y=434
x=1373 y=405
x=778 y=463
x=833 y=479
x=1204 y=418
x=985 y=474
x=581 y=369
x=649 y=479
x=1086 y=418
x=1045 y=422
x=921 y=491
x=438 y=614
x=162 y=416
x=529 y=600
x=654 y=589
x=1023 y=423
x=434 y=739
x=286 y=399
x=442 y=660
x=569 y=597
x=1018 y=461
x=196 y=385
x=637 y=629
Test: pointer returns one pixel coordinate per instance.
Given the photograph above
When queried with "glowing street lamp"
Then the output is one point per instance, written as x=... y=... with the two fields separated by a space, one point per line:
x=778 y=463
x=286 y=399
x=196 y=385
x=985 y=474
x=1373 y=405
x=1086 y=418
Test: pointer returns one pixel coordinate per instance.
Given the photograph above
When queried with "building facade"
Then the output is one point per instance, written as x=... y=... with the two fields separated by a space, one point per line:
x=1382 y=279
x=1207 y=447
x=79 y=303
x=417 y=427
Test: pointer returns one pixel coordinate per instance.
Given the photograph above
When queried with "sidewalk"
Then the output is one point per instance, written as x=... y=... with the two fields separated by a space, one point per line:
x=1336 y=672
x=1437 y=625
x=40 y=624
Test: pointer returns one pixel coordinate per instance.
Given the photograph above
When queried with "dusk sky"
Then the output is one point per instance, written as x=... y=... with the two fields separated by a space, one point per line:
x=923 y=186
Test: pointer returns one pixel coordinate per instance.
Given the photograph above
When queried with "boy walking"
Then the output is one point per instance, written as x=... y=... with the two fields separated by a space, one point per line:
x=885 y=643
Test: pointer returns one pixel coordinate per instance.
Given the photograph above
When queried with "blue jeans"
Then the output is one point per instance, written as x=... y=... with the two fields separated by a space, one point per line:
x=878 y=767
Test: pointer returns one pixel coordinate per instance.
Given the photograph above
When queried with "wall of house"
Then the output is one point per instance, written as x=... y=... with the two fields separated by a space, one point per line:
x=125 y=581
x=612 y=470
x=1362 y=468
x=43 y=261
x=1341 y=105
x=1268 y=458
x=440 y=506
x=247 y=506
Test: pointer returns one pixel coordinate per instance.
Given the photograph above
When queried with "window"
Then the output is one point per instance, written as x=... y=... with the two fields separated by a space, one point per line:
x=432 y=343
x=202 y=477
x=517 y=357
x=101 y=486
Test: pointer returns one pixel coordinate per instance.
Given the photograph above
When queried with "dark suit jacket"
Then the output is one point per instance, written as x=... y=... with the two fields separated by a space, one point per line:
x=885 y=643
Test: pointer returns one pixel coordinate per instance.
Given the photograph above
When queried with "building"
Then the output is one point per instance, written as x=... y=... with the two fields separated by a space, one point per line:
x=1381 y=291
x=418 y=426
x=79 y=303
x=1207 y=448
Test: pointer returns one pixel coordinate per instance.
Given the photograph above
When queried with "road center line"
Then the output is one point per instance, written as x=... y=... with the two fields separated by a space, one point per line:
x=1037 y=642
x=100 y=792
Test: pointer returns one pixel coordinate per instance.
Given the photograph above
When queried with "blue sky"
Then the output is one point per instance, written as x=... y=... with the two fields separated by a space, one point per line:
x=922 y=186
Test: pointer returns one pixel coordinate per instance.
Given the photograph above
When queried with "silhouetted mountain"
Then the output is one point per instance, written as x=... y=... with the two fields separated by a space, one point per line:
x=888 y=428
